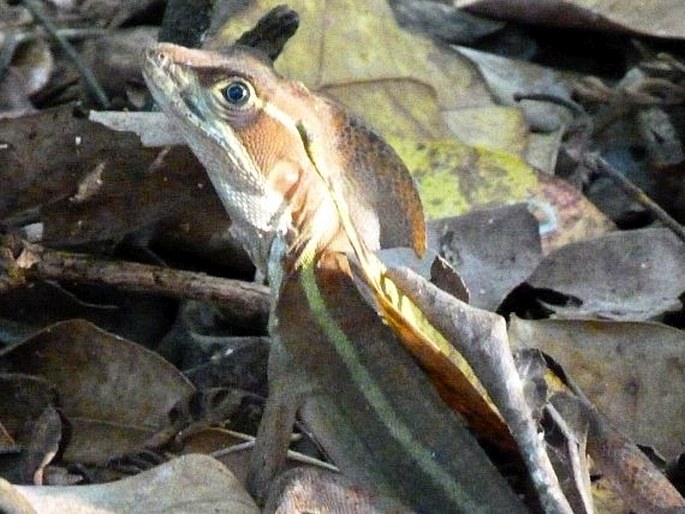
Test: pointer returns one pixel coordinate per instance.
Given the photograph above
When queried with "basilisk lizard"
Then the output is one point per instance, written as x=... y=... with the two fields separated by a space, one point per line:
x=306 y=184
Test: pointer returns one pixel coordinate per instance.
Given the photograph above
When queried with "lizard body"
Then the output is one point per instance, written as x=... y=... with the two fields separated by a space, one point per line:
x=373 y=408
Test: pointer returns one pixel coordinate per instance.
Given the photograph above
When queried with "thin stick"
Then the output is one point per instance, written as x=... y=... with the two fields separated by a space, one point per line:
x=292 y=455
x=91 y=82
x=245 y=303
x=553 y=99
x=596 y=163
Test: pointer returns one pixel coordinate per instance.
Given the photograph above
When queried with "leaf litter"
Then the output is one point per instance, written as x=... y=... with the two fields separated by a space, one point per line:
x=613 y=300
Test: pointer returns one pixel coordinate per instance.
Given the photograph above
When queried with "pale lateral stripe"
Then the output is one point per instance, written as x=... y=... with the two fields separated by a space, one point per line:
x=377 y=399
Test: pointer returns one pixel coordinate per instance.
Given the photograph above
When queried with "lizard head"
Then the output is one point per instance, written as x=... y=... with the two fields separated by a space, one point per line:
x=242 y=119
x=220 y=102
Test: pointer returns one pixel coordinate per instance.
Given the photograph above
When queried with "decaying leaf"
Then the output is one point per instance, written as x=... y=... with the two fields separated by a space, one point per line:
x=194 y=482
x=490 y=265
x=632 y=371
x=114 y=393
x=453 y=177
x=659 y=18
x=636 y=275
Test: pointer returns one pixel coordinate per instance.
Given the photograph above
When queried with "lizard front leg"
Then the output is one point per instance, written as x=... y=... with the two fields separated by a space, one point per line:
x=287 y=392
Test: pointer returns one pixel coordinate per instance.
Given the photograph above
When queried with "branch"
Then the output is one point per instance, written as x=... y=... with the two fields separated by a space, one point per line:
x=245 y=303
x=599 y=165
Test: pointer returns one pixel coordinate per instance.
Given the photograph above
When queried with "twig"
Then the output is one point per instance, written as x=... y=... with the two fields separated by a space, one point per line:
x=91 y=82
x=245 y=303
x=553 y=99
x=596 y=163
x=249 y=442
x=573 y=448
x=294 y=437
x=481 y=338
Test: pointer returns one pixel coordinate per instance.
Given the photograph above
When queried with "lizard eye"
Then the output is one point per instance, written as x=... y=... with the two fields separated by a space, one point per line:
x=236 y=93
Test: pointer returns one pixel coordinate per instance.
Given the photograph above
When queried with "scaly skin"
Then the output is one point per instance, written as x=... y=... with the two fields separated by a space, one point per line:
x=369 y=404
x=258 y=165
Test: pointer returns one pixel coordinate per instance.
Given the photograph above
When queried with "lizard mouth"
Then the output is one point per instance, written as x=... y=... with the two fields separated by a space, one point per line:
x=170 y=85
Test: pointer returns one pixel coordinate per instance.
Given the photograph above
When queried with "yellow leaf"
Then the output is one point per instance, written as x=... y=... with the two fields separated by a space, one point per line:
x=402 y=84
x=453 y=177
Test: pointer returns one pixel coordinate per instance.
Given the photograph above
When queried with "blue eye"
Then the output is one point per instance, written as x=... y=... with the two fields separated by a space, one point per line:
x=236 y=93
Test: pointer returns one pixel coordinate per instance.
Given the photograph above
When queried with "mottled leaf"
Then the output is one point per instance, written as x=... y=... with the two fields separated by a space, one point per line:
x=114 y=393
x=633 y=372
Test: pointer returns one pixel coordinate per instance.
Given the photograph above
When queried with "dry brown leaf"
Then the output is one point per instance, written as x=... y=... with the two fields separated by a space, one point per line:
x=31 y=425
x=632 y=371
x=493 y=250
x=659 y=18
x=192 y=483
x=86 y=177
x=114 y=393
x=308 y=489
x=635 y=275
